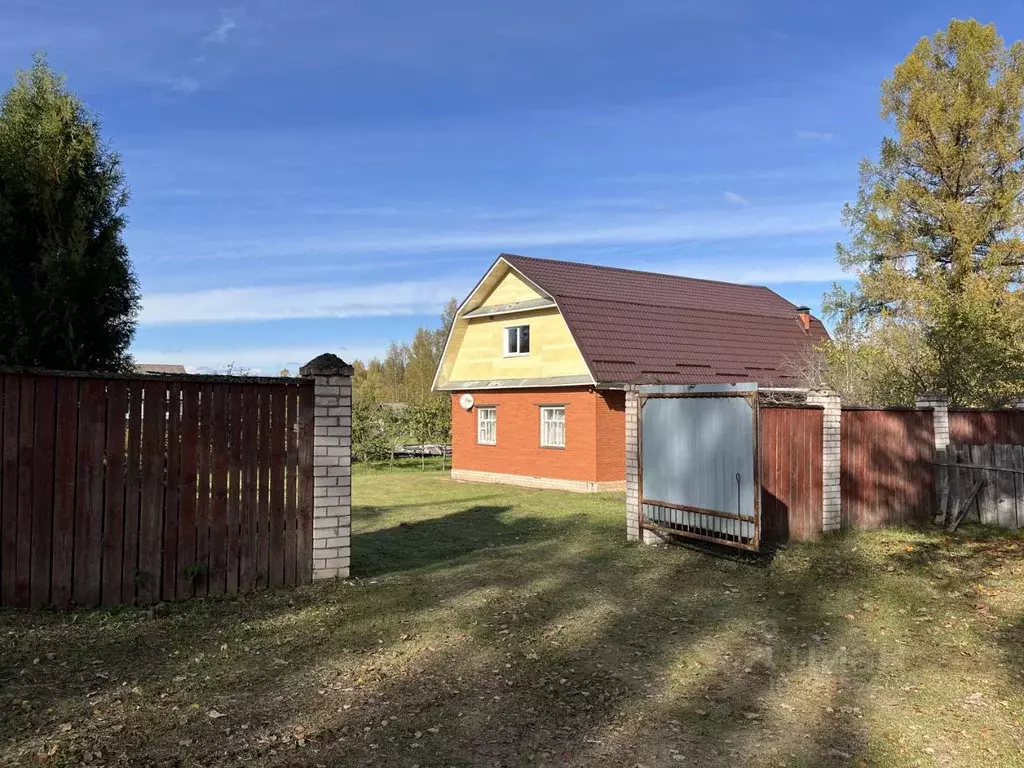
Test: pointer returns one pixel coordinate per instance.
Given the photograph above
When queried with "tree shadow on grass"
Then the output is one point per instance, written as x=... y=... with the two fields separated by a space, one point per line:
x=518 y=641
x=440 y=540
x=371 y=511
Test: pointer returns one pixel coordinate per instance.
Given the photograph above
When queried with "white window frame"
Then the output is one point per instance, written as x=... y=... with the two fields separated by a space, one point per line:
x=504 y=340
x=493 y=421
x=547 y=413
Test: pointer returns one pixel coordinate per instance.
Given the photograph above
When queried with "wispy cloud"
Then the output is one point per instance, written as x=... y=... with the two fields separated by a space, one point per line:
x=738 y=199
x=219 y=305
x=570 y=230
x=815 y=135
x=185 y=85
x=776 y=273
x=221 y=32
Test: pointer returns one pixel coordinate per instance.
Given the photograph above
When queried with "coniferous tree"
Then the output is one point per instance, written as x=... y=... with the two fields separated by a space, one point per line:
x=68 y=295
x=936 y=232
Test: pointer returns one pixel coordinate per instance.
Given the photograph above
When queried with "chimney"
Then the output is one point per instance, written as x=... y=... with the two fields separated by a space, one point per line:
x=804 y=314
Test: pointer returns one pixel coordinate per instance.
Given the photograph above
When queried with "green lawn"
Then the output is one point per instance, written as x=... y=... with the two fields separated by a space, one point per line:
x=502 y=627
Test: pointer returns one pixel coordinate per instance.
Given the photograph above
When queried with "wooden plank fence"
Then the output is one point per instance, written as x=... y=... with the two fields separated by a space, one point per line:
x=1000 y=498
x=120 y=490
x=986 y=427
x=790 y=452
x=888 y=472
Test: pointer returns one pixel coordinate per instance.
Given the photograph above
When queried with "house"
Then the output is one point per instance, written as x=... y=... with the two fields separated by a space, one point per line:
x=541 y=351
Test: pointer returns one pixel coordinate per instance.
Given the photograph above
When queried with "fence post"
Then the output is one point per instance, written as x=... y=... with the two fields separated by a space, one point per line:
x=632 y=464
x=831 y=460
x=332 y=465
x=939 y=405
x=633 y=532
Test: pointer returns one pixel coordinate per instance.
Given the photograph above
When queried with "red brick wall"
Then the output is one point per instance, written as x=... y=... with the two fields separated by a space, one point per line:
x=594 y=435
x=611 y=436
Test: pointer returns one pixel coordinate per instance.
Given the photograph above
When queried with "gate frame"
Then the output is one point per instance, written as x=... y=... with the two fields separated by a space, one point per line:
x=750 y=393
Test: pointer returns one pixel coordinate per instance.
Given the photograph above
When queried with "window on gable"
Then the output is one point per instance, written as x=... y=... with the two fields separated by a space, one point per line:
x=517 y=340
x=552 y=426
x=487 y=426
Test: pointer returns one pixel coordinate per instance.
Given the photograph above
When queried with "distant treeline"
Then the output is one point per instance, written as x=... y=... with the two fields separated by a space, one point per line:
x=392 y=404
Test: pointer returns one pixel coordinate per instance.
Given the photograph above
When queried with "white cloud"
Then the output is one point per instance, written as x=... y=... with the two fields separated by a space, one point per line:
x=733 y=197
x=185 y=85
x=803 y=271
x=220 y=34
x=588 y=230
x=218 y=305
x=815 y=135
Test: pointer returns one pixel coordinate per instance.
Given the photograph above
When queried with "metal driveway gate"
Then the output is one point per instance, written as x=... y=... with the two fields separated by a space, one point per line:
x=698 y=462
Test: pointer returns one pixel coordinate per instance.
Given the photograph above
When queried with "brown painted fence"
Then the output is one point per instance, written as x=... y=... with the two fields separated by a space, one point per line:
x=888 y=471
x=791 y=473
x=986 y=427
x=116 y=490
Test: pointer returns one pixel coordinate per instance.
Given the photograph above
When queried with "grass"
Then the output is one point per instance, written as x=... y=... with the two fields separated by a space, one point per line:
x=504 y=627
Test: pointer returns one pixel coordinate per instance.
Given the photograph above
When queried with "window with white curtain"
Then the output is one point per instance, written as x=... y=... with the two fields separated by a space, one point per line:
x=487 y=426
x=552 y=426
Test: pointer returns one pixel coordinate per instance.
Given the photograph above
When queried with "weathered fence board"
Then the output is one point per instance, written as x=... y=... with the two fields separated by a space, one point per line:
x=290 y=484
x=277 y=457
x=219 y=494
x=1000 y=500
x=201 y=572
x=233 y=542
x=42 y=492
x=888 y=474
x=304 y=559
x=263 y=492
x=188 y=503
x=64 y=492
x=114 y=492
x=120 y=490
x=249 y=543
x=172 y=511
x=92 y=424
x=26 y=441
x=9 y=493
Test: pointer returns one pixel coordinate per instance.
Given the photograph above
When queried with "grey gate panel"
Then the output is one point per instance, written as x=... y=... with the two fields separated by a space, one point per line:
x=699 y=469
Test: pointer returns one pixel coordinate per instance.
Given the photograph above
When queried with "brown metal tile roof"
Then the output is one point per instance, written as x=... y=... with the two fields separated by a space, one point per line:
x=636 y=326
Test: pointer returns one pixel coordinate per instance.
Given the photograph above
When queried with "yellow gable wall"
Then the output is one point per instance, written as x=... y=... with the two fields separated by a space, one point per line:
x=511 y=289
x=476 y=348
x=480 y=352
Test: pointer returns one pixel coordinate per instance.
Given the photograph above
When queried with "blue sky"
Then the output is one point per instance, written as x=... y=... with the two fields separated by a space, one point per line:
x=321 y=175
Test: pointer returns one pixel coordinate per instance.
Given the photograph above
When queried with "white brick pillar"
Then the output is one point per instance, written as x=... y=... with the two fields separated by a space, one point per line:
x=633 y=415
x=332 y=465
x=831 y=460
x=939 y=405
x=632 y=464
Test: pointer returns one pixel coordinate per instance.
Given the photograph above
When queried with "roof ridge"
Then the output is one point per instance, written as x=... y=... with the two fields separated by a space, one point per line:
x=672 y=306
x=507 y=256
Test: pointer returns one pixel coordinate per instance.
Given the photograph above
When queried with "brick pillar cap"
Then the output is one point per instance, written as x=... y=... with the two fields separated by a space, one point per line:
x=822 y=393
x=326 y=364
